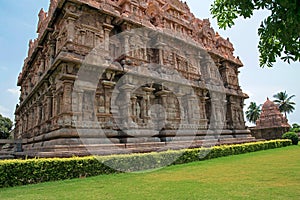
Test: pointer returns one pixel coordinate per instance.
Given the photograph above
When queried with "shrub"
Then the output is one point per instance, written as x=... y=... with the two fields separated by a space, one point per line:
x=22 y=172
x=292 y=136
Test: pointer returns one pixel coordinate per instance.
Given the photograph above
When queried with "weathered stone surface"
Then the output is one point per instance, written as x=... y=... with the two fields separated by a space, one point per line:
x=119 y=76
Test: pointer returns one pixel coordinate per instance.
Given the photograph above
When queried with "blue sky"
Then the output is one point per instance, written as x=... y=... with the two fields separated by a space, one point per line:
x=18 y=22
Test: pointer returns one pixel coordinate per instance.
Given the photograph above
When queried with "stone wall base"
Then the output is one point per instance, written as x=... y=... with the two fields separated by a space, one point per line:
x=71 y=142
x=269 y=133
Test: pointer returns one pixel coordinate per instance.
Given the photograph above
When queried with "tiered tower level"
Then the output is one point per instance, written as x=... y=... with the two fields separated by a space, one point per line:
x=57 y=118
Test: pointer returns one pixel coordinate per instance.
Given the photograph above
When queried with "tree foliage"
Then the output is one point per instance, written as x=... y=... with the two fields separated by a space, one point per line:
x=286 y=106
x=253 y=112
x=279 y=33
x=5 y=127
x=295 y=128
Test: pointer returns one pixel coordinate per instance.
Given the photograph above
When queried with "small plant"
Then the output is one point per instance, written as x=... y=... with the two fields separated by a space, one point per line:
x=292 y=136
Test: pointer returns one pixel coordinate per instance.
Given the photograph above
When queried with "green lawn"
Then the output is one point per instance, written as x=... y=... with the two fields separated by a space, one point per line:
x=271 y=174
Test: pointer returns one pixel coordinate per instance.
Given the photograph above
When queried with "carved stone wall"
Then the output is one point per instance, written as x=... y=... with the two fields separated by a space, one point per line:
x=51 y=108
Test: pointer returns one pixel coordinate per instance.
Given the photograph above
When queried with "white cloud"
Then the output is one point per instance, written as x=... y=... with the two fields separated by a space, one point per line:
x=14 y=91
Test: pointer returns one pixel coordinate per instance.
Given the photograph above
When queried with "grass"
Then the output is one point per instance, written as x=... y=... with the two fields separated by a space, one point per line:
x=271 y=174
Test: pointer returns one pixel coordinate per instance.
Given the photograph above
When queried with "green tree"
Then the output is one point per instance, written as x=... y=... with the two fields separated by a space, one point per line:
x=286 y=106
x=279 y=33
x=295 y=128
x=253 y=112
x=5 y=127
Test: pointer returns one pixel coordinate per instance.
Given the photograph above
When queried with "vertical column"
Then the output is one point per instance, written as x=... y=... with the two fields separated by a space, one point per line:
x=203 y=116
x=205 y=66
x=40 y=112
x=58 y=102
x=42 y=66
x=49 y=106
x=67 y=96
x=26 y=121
x=67 y=102
x=79 y=106
x=126 y=105
x=160 y=56
x=218 y=114
x=52 y=52
x=31 y=117
x=35 y=116
x=54 y=100
x=163 y=94
x=241 y=119
x=199 y=66
x=146 y=106
x=229 y=114
x=213 y=110
x=193 y=111
x=71 y=29
x=133 y=108
x=181 y=114
x=107 y=27
x=108 y=85
x=126 y=44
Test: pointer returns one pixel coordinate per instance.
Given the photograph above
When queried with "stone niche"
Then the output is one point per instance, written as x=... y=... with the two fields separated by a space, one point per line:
x=107 y=77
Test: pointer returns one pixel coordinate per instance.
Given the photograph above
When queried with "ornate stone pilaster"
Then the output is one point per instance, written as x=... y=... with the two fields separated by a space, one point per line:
x=49 y=100
x=126 y=44
x=163 y=95
x=230 y=112
x=133 y=108
x=218 y=111
x=146 y=105
x=107 y=28
x=79 y=106
x=193 y=111
x=26 y=122
x=126 y=110
x=181 y=115
x=108 y=86
x=70 y=26
x=41 y=67
x=67 y=96
x=40 y=112
x=54 y=100
x=31 y=118
x=34 y=115
x=52 y=51
x=203 y=116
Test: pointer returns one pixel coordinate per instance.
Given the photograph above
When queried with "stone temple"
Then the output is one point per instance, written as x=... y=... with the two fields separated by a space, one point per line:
x=126 y=76
x=271 y=123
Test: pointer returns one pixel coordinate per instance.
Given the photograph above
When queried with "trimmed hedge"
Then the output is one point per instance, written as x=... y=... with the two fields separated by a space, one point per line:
x=22 y=172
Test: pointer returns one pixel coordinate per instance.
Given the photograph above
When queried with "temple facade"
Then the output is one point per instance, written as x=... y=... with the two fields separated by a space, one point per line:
x=123 y=76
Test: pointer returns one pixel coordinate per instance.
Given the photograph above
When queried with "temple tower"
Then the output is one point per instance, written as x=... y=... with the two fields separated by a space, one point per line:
x=123 y=76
